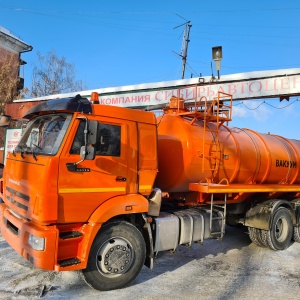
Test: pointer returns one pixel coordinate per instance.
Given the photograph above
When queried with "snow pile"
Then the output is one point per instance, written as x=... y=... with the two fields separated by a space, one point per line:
x=231 y=269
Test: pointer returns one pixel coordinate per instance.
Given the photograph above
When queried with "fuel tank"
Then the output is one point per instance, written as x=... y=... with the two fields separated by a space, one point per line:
x=190 y=153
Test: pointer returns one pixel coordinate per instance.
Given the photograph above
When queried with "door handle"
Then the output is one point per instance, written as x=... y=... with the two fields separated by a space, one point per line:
x=120 y=178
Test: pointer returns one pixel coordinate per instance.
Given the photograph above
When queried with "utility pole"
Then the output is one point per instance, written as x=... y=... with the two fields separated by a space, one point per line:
x=185 y=43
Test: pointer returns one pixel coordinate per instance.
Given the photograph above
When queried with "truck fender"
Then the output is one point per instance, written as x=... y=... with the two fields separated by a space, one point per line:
x=260 y=216
x=120 y=205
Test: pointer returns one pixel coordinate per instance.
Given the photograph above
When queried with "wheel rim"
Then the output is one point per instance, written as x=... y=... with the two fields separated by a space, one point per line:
x=115 y=257
x=281 y=229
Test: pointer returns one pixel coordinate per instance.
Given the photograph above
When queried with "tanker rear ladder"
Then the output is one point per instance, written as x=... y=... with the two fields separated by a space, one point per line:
x=211 y=112
x=218 y=209
x=215 y=112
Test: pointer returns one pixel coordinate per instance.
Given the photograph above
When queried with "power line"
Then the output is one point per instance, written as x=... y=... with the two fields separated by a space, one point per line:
x=264 y=102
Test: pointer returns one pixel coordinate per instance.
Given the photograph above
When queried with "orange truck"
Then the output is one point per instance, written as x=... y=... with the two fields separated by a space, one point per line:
x=103 y=189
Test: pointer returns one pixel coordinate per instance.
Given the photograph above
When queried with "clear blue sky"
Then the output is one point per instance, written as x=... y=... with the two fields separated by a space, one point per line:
x=124 y=42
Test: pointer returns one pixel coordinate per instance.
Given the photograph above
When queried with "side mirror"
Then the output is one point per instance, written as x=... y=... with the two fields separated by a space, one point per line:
x=4 y=120
x=87 y=152
x=92 y=132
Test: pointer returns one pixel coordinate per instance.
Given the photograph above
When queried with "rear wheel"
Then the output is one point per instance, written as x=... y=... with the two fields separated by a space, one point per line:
x=255 y=236
x=264 y=237
x=281 y=231
x=116 y=257
x=296 y=236
x=296 y=231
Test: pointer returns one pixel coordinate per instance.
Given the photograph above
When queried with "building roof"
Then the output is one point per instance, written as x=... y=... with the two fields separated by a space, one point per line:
x=11 y=42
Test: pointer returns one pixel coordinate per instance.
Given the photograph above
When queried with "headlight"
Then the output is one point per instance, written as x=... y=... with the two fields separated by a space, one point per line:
x=37 y=243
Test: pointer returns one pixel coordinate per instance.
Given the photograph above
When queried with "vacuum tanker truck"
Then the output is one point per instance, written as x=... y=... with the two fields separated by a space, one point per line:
x=103 y=189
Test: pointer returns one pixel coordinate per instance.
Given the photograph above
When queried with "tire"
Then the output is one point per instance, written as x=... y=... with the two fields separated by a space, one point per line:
x=264 y=237
x=281 y=231
x=117 y=256
x=296 y=236
x=255 y=236
x=296 y=230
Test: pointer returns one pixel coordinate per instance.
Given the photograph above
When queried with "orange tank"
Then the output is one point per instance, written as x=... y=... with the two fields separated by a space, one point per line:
x=188 y=153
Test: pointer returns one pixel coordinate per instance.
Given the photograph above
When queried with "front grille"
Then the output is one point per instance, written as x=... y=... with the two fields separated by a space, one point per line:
x=16 y=197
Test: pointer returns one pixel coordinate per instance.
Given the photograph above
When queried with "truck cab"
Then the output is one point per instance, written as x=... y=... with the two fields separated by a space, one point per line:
x=77 y=166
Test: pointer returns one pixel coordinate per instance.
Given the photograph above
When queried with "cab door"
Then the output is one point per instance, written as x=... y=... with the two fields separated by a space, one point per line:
x=113 y=172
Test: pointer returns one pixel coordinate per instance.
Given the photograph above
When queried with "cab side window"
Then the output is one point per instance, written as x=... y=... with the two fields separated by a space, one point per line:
x=108 y=144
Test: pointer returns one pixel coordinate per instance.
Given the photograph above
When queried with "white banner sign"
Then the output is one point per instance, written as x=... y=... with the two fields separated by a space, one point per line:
x=12 y=138
x=249 y=89
x=251 y=85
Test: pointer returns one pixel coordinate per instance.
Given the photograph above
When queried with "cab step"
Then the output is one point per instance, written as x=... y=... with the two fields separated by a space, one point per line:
x=69 y=235
x=69 y=262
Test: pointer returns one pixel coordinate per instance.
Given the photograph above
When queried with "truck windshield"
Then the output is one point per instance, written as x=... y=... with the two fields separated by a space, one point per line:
x=43 y=135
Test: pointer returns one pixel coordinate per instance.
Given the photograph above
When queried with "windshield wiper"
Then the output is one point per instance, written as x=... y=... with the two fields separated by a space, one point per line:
x=22 y=148
x=34 y=152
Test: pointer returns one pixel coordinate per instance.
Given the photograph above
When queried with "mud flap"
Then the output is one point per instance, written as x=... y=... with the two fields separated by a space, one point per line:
x=260 y=216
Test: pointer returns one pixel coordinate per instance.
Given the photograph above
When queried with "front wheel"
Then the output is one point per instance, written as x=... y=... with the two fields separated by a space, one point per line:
x=117 y=256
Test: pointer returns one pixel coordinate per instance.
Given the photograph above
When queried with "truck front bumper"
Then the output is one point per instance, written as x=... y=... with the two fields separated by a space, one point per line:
x=16 y=232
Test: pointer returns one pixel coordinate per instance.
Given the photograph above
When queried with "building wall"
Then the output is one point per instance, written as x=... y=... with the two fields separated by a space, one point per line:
x=11 y=48
x=10 y=59
x=6 y=54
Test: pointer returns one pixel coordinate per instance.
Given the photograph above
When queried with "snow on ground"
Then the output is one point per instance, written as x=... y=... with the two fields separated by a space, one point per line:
x=232 y=269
